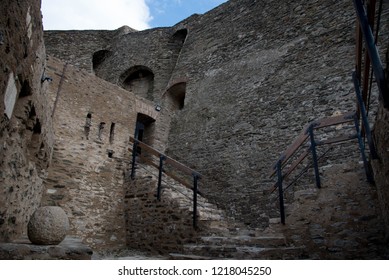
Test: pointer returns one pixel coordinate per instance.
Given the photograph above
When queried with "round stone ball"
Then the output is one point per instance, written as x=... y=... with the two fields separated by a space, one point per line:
x=48 y=226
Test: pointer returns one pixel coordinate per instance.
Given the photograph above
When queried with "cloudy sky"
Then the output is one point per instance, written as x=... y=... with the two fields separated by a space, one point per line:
x=112 y=14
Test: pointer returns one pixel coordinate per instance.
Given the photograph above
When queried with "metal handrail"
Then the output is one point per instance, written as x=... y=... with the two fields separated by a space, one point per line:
x=163 y=160
x=373 y=55
x=365 y=28
x=301 y=139
x=307 y=134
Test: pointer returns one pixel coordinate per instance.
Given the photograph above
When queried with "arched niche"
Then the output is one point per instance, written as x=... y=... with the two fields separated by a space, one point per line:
x=98 y=58
x=140 y=80
x=175 y=96
x=180 y=35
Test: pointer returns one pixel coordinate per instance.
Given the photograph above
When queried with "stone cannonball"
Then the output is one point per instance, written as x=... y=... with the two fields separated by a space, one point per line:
x=48 y=226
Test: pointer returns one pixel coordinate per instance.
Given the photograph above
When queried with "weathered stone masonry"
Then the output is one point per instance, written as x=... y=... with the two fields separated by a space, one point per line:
x=249 y=84
x=26 y=135
x=93 y=121
x=224 y=92
x=253 y=73
x=381 y=166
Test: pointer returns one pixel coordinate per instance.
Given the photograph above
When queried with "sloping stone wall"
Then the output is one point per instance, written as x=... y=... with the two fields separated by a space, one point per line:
x=258 y=72
x=26 y=135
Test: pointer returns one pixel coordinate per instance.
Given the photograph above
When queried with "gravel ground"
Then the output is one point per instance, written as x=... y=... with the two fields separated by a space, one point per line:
x=128 y=254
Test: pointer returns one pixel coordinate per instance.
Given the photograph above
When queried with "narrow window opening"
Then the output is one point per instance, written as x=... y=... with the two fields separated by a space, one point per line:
x=37 y=127
x=35 y=141
x=112 y=133
x=88 y=124
x=32 y=112
x=101 y=130
x=25 y=90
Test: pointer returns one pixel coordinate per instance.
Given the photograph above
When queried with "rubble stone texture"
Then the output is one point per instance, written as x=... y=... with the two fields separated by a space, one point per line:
x=233 y=88
x=26 y=135
x=48 y=226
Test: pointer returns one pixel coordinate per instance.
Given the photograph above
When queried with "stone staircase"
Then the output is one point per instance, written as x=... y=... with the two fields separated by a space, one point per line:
x=218 y=235
x=209 y=216
x=240 y=246
x=338 y=221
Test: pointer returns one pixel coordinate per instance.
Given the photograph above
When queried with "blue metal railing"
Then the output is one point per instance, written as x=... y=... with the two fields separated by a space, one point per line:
x=307 y=137
x=163 y=160
x=372 y=51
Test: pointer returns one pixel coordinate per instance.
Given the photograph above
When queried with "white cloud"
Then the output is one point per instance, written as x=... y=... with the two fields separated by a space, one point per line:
x=95 y=14
x=159 y=6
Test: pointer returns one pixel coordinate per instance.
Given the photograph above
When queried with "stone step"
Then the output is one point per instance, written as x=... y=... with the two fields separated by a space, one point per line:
x=175 y=256
x=209 y=216
x=259 y=241
x=307 y=194
x=243 y=252
x=71 y=248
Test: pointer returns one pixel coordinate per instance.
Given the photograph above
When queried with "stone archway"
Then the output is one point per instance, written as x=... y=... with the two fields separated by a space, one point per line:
x=140 y=80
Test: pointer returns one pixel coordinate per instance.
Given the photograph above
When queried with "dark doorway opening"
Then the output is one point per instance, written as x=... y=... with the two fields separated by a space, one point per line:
x=144 y=130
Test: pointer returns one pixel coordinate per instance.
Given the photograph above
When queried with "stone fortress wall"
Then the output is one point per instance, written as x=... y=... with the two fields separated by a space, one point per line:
x=92 y=121
x=26 y=133
x=255 y=73
x=235 y=86
x=266 y=69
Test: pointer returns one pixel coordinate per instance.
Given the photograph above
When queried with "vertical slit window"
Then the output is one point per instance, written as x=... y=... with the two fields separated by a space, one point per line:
x=88 y=124
x=112 y=133
x=101 y=129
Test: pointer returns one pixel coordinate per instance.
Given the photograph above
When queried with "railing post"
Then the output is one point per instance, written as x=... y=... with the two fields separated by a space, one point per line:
x=161 y=159
x=195 y=188
x=378 y=70
x=314 y=157
x=134 y=149
x=280 y=191
x=369 y=175
x=365 y=121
